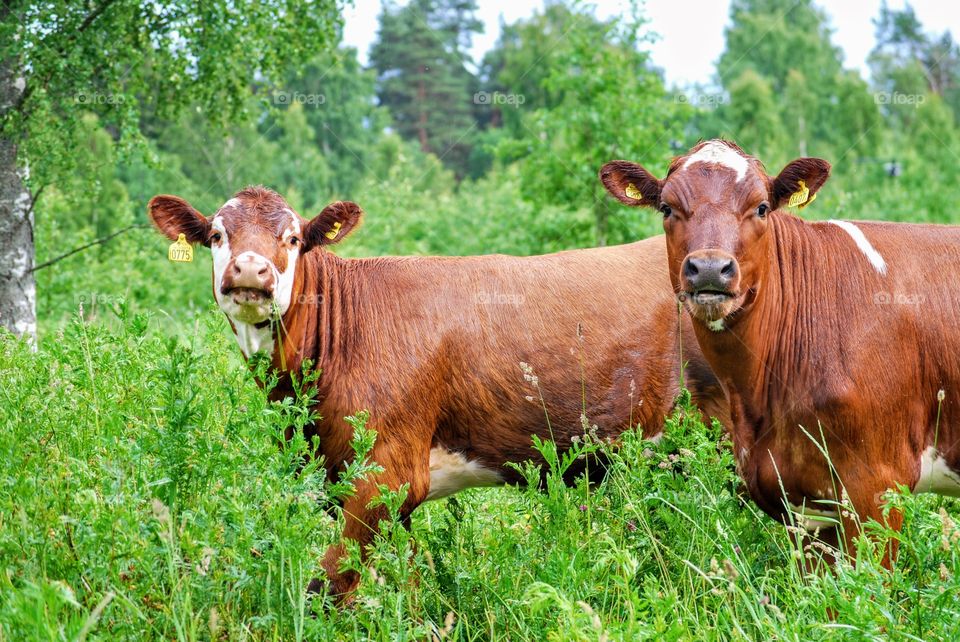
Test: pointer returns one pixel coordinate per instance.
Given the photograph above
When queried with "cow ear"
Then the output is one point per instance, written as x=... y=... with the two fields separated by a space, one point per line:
x=631 y=184
x=331 y=225
x=797 y=185
x=174 y=216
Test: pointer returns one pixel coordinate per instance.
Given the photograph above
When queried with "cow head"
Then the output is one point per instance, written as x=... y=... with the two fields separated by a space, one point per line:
x=716 y=203
x=257 y=241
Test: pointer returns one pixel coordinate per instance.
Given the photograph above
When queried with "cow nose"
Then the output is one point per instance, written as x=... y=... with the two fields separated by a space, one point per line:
x=250 y=271
x=710 y=272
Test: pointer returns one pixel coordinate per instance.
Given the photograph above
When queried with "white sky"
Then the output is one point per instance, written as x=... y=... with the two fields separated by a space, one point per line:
x=671 y=19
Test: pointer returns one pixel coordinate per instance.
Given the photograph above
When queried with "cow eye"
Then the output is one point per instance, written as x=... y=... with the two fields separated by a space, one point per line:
x=665 y=210
x=294 y=241
x=762 y=210
x=215 y=237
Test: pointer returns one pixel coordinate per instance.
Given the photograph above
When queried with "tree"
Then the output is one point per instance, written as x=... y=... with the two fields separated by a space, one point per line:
x=344 y=115
x=907 y=61
x=121 y=59
x=783 y=48
x=611 y=105
x=421 y=62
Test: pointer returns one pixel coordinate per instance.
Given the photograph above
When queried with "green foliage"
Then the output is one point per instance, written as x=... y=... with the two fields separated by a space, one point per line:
x=125 y=60
x=420 y=61
x=152 y=497
x=609 y=105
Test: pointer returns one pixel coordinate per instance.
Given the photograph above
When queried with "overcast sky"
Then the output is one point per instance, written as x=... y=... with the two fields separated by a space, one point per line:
x=691 y=32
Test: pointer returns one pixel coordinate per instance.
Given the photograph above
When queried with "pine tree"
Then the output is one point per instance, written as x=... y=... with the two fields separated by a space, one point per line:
x=421 y=63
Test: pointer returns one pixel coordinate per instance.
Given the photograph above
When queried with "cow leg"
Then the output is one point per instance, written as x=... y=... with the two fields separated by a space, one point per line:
x=866 y=497
x=362 y=521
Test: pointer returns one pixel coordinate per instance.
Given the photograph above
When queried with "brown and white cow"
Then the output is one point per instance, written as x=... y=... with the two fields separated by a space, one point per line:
x=432 y=346
x=830 y=335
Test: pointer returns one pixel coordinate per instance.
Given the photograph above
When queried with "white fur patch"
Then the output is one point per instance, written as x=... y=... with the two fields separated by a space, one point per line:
x=861 y=240
x=283 y=288
x=450 y=473
x=221 y=256
x=252 y=339
x=936 y=476
x=811 y=519
x=720 y=154
x=233 y=202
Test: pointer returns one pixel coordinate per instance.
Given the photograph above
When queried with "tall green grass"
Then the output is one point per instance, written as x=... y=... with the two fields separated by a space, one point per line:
x=143 y=495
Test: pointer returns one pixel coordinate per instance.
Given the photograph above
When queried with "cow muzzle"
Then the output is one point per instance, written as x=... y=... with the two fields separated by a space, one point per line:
x=710 y=281
x=247 y=287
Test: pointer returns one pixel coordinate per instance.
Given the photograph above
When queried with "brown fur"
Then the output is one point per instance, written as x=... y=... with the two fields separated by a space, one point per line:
x=432 y=347
x=812 y=342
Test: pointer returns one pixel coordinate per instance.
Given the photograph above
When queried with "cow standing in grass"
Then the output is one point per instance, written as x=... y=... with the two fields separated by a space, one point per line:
x=433 y=346
x=837 y=344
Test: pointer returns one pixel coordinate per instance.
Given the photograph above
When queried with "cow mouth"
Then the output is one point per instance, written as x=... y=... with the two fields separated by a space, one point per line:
x=249 y=296
x=709 y=297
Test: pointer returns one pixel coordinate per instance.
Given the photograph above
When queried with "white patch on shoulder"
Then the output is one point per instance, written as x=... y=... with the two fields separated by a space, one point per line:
x=450 y=473
x=253 y=339
x=720 y=154
x=864 y=244
x=811 y=519
x=716 y=325
x=936 y=476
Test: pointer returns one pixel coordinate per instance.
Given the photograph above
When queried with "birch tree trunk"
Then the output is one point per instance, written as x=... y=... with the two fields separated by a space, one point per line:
x=18 y=290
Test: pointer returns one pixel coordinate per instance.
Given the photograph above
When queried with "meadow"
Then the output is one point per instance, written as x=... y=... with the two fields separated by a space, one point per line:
x=146 y=492
x=144 y=496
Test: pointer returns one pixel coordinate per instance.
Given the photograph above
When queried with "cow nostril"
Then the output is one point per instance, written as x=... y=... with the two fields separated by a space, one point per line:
x=236 y=268
x=262 y=271
x=690 y=269
x=728 y=269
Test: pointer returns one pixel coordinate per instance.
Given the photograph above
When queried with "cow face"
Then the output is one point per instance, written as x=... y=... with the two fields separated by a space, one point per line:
x=716 y=202
x=257 y=241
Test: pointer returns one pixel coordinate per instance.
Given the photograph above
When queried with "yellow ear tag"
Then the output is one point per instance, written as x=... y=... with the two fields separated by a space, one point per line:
x=800 y=196
x=633 y=192
x=335 y=232
x=180 y=251
x=812 y=199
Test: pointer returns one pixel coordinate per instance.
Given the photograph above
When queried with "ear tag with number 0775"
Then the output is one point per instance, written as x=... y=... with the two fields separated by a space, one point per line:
x=180 y=251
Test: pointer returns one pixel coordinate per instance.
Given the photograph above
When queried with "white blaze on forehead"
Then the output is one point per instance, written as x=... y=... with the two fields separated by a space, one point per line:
x=720 y=154
x=233 y=202
x=864 y=244
x=450 y=472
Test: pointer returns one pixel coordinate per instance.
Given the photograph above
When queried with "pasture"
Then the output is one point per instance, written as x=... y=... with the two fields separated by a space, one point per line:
x=147 y=491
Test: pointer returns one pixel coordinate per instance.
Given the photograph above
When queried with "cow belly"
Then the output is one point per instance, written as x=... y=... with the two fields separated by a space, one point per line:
x=451 y=472
x=936 y=476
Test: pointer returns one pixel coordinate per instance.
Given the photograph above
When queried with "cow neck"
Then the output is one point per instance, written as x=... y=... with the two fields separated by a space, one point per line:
x=310 y=327
x=765 y=347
